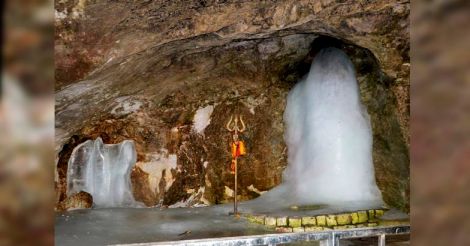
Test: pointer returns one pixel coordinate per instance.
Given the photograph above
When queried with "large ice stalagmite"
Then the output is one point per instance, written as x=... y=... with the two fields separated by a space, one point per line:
x=103 y=170
x=329 y=140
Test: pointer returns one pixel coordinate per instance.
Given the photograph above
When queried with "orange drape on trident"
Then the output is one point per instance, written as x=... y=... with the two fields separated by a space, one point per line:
x=238 y=149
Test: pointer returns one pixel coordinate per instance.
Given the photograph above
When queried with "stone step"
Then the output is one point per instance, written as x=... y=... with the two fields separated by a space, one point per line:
x=357 y=219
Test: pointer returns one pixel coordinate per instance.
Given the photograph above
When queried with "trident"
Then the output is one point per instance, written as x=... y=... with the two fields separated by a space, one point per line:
x=236 y=129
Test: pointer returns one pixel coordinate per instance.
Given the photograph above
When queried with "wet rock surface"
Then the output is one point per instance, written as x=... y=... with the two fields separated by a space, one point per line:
x=141 y=71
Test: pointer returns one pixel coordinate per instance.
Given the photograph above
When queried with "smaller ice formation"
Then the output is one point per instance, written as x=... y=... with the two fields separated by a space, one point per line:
x=103 y=170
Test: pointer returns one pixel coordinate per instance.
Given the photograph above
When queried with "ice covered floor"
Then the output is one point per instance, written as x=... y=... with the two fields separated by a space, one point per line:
x=138 y=225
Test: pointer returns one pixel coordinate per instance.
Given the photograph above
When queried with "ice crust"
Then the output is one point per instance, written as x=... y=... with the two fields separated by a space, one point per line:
x=103 y=170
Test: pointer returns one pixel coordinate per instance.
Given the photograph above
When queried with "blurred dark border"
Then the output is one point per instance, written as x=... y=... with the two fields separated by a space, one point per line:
x=440 y=125
x=27 y=123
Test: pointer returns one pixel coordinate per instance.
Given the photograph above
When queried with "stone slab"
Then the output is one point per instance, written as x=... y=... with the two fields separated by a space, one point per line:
x=281 y=221
x=331 y=220
x=295 y=222
x=343 y=219
x=270 y=221
x=379 y=213
x=309 y=221
x=321 y=220
x=313 y=228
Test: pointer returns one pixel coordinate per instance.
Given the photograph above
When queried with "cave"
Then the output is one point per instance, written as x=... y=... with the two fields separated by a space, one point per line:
x=168 y=76
x=250 y=77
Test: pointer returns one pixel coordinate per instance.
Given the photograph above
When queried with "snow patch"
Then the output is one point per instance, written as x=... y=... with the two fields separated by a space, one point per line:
x=228 y=192
x=180 y=204
x=202 y=119
x=194 y=200
x=253 y=188
x=159 y=162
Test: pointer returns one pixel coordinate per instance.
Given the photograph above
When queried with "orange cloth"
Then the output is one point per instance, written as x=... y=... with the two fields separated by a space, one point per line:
x=238 y=149
x=232 y=166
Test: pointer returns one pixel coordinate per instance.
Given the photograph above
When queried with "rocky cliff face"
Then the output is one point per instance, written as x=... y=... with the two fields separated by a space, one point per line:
x=143 y=71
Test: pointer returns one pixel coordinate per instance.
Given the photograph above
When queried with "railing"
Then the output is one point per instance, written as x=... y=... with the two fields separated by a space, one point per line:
x=327 y=238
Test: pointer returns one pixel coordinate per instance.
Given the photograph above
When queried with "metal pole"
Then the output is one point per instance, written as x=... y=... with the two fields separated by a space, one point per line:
x=382 y=240
x=235 y=212
x=332 y=240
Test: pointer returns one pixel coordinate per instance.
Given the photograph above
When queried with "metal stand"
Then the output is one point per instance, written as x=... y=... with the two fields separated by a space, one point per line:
x=330 y=238
x=235 y=211
x=381 y=240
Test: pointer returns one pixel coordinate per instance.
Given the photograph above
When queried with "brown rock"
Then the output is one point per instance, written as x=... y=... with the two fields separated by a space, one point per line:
x=141 y=188
x=80 y=200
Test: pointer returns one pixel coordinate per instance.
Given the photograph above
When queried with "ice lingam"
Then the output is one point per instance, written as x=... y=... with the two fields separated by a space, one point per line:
x=103 y=170
x=329 y=139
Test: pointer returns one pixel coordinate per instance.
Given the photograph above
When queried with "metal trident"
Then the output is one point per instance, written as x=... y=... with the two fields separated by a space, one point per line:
x=235 y=126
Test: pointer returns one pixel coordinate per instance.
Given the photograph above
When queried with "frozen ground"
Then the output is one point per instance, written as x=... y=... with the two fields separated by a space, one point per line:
x=138 y=225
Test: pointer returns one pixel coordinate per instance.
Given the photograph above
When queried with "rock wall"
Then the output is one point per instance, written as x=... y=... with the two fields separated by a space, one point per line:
x=141 y=71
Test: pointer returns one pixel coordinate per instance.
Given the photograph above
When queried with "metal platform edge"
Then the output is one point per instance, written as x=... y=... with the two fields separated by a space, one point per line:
x=329 y=237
